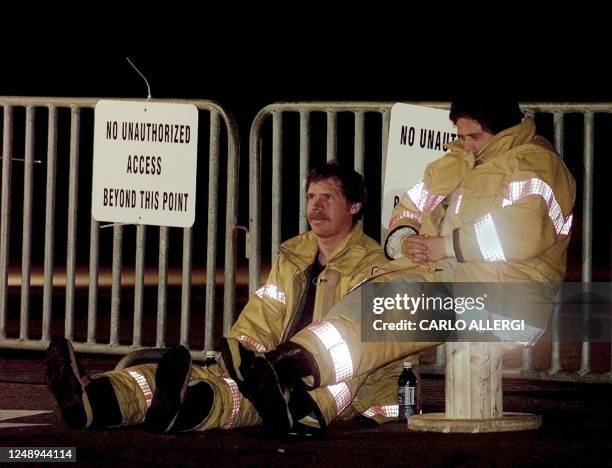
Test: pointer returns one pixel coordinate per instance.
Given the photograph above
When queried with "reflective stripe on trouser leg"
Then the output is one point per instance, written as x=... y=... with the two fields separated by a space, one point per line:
x=365 y=356
x=229 y=409
x=373 y=395
x=335 y=399
x=134 y=388
x=384 y=411
x=144 y=386
x=236 y=398
x=336 y=348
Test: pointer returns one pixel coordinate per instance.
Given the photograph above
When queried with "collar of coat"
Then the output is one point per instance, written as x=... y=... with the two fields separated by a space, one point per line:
x=301 y=250
x=506 y=140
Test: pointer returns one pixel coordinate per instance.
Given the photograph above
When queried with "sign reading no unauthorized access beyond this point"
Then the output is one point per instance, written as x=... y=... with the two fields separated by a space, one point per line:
x=145 y=163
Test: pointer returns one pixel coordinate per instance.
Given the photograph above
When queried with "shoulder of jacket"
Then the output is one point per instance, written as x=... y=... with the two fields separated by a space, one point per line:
x=532 y=152
x=546 y=162
x=372 y=251
x=300 y=243
x=370 y=246
x=300 y=249
x=538 y=155
x=366 y=240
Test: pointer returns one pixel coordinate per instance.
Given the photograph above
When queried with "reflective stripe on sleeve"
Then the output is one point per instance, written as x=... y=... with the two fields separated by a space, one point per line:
x=424 y=200
x=257 y=346
x=525 y=188
x=488 y=240
x=337 y=348
x=404 y=214
x=272 y=291
x=567 y=225
x=236 y=399
x=387 y=411
x=144 y=386
x=342 y=396
x=458 y=202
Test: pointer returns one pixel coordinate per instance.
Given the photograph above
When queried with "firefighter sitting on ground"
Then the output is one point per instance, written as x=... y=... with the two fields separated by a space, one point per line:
x=312 y=272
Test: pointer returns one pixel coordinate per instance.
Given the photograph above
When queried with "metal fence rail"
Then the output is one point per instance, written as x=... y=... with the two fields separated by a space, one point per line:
x=285 y=144
x=222 y=133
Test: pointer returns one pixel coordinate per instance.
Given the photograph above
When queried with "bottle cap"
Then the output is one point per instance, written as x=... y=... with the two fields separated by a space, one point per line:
x=407 y=365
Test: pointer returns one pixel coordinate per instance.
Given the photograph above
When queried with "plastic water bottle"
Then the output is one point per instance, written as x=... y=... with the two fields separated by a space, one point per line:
x=406 y=392
x=211 y=359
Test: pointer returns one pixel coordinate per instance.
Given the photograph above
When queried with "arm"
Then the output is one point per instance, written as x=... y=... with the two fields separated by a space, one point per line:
x=534 y=215
x=423 y=200
x=260 y=324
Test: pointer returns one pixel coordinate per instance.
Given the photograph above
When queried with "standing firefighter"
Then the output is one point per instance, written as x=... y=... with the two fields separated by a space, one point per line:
x=496 y=208
x=311 y=273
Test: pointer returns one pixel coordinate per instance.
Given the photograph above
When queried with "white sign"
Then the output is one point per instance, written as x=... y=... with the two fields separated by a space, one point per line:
x=417 y=136
x=145 y=163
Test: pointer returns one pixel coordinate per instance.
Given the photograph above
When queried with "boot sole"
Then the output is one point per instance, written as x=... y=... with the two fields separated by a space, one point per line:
x=155 y=419
x=64 y=375
x=268 y=399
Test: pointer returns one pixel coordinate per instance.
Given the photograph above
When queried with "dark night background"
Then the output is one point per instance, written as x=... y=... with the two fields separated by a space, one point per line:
x=257 y=71
x=243 y=79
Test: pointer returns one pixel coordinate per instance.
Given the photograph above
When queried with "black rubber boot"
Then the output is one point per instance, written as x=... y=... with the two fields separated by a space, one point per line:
x=309 y=422
x=196 y=406
x=64 y=377
x=257 y=381
x=269 y=398
x=267 y=380
x=104 y=404
x=171 y=379
x=238 y=360
x=294 y=365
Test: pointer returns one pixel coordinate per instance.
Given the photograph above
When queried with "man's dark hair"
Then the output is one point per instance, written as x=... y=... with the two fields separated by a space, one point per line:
x=494 y=114
x=351 y=183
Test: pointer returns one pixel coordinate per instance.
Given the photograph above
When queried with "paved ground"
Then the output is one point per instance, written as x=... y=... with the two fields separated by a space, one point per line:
x=577 y=430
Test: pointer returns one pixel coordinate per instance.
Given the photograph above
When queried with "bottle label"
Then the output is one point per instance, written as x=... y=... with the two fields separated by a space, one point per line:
x=406 y=395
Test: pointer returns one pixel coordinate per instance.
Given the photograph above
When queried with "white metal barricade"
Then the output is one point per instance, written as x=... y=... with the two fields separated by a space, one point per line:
x=58 y=178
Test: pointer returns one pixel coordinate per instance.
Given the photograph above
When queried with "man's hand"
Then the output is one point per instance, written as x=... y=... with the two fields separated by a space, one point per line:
x=424 y=249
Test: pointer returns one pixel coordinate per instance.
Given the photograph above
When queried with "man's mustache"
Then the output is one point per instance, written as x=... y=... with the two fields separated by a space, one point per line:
x=318 y=216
